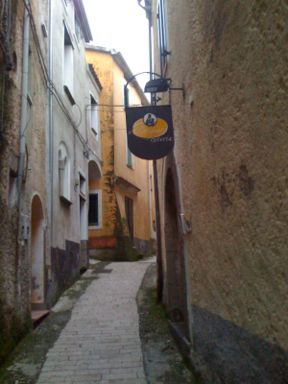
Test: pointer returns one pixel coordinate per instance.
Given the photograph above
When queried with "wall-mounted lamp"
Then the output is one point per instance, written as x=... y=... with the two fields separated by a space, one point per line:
x=157 y=85
x=161 y=84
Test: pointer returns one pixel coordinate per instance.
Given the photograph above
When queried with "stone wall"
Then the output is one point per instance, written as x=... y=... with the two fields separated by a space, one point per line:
x=65 y=269
x=231 y=156
x=14 y=308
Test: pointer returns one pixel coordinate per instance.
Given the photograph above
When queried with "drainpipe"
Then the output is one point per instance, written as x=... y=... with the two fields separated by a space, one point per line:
x=156 y=189
x=50 y=141
x=156 y=185
x=23 y=118
x=23 y=221
x=148 y=11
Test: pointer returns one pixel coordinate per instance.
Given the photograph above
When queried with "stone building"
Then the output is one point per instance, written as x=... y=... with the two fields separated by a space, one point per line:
x=21 y=144
x=122 y=194
x=224 y=188
x=47 y=150
x=72 y=148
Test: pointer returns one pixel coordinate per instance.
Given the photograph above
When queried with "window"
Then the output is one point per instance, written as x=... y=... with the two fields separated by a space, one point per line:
x=94 y=116
x=68 y=70
x=78 y=31
x=129 y=157
x=82 y=207
x=82 y=185
x=162 y=35
x=126 y=96
x=64 y=172
x=95 y=211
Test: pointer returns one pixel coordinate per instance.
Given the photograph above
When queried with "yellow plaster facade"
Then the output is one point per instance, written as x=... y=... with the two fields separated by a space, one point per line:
x=122 y=185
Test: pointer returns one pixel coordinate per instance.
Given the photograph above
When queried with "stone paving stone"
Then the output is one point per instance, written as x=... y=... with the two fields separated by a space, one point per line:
x=100 y=343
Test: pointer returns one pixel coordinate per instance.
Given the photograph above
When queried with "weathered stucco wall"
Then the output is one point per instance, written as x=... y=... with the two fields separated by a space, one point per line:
x=114 y=151
x=14 y=312
x=104 y=237
x=231 y=156
x=70 y=129
x=138 y=174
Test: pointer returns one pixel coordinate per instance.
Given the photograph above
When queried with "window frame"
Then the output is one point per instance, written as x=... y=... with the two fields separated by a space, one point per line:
x=129 y=155
x=68 y=60
x=64 y=165
x=94 y=116
x=99 y=193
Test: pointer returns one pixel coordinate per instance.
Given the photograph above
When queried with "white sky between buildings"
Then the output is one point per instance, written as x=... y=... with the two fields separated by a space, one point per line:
x=122 y=25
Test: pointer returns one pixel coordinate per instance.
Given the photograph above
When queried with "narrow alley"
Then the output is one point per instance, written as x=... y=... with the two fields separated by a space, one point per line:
x=143 y=192
x=92 y=335
x=101 y=341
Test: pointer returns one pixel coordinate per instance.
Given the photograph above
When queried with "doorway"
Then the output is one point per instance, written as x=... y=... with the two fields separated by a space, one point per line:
x=37 y=252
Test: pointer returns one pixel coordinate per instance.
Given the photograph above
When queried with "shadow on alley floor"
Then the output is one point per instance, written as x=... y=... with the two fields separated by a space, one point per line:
x=163 y=363
x=162 y=360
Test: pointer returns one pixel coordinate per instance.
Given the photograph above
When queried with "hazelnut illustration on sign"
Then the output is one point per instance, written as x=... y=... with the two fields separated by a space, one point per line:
x=149 y=127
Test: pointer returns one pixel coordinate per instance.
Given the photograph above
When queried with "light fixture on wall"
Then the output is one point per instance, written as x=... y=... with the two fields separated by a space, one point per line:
x=157 y=85
x=161 y=84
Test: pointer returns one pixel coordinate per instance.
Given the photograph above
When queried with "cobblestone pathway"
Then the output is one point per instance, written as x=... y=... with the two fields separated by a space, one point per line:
x=100 y=343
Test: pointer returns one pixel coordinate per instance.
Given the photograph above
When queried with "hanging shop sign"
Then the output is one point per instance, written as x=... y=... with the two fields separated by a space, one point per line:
x=150 y=131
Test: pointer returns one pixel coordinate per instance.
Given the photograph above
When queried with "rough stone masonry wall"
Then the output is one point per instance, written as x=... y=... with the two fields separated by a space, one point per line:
x=14 y=317
x=231 y=152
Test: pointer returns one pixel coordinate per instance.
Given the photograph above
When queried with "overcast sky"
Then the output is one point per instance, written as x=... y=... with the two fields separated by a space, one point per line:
x=122 y=25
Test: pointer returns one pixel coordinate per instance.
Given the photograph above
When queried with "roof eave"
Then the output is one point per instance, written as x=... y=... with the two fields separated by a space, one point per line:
x=79 y=7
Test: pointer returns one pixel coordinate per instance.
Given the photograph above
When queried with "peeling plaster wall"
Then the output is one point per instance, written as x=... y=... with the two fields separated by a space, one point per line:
x=231 y=154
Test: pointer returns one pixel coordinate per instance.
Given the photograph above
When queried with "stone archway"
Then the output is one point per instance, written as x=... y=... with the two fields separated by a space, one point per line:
x=94 y=171
x=37 y=252
x=176 y=295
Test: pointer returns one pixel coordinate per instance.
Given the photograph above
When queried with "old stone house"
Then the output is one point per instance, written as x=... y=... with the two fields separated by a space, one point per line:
x=48 y=150
x=122 y=194
x=73 y=149
x=224 y=188
x=11 y=322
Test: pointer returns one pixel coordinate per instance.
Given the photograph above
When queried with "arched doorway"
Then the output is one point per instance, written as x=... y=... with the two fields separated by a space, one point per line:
x=176 y=295
x=37 y=252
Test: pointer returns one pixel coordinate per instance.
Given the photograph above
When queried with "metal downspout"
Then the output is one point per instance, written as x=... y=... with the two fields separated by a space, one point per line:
x=156 y=184
x=50 y=140
x=23 y=118
x=148 y=11
x=22 y=220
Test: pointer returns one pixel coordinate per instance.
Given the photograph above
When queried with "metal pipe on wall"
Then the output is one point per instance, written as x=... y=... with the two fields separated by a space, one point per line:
x=23 y=224
x=155 y=173
x=50 y=124
x=24 y=91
